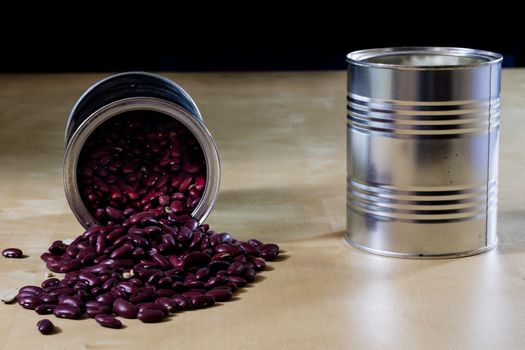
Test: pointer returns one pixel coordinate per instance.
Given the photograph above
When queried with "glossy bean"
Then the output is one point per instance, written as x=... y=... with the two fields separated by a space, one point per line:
x=108 y=321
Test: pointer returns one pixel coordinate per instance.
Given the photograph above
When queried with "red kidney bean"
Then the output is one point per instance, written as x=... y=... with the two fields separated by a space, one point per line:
x=32 y=289
x=150 y=316
x=48 y=298
x=154 y=306
x=12 y=253
x=167 y=303
x=108 y=321
x=90 y=279
x=239 y=281
x=123 y=250
x=147 y=293
x=45 y=309
x=92 y=311
x=106 y=298
x=70 y=300
x=128 y=287
x=124 y=308
x=29 y=301
x=196 y=259
x=181 y=302
x=259 y=264
x=67 y=311
x=249 y=274
x=202 y=301
x=218 y=265
x=236 y=268
x=165 y=282
x=249 y=249
x=227 y=248
x=220 y=295
x=161 y=261
x=215 y=282
x=222 y=256
x=164 y=292
x=269 y=251
x=202 y=273
x=45 y=326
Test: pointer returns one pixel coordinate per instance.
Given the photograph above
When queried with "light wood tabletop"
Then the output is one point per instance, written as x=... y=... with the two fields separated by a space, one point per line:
x=282 y=142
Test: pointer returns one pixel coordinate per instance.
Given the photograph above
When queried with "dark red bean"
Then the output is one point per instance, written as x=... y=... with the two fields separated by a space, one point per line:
x=128 y=287
x=239 y=281
x=45 y=326
x=249 y=274
x=259 y=264
x=161 y=261
x=92 y=311
x=108 y=321
x=196 y=259
x=124 y=308
x=181 y=302
x=147 y=293
x=45 y=309
x=236 y=268
x=249 y=249
x=122 y=251
x=218 y=265
x=70 y=300
x=215 y=282
x=202 y=301
x=167 y=303
x=32 y=289
x=48 y=298
x=12 y=253
x=90 y=279
x=202 y=273
x=106 y=298
x=269 y=251
x=220 y=295
x=150 y=316
x=114 y=213
x=227 y=248
x=164 y=292
x=67 y=311
x=29 y=301
x=155 y=306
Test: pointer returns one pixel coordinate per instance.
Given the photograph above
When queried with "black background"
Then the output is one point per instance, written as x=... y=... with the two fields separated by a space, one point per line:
x=246 y=36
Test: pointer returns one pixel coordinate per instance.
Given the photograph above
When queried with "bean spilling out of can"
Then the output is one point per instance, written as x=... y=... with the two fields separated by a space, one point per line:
x=140 y=181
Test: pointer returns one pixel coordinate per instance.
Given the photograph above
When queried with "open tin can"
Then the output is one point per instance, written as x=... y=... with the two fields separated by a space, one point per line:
x=423 y=134
x=135 y=91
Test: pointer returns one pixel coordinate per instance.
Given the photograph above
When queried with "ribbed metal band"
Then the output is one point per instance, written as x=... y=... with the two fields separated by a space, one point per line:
x=420 y=204
x=422 y=118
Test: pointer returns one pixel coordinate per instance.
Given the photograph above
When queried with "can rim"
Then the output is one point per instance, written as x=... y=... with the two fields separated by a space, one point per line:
x=118 y=75
x=361 y=57
x=81 y=134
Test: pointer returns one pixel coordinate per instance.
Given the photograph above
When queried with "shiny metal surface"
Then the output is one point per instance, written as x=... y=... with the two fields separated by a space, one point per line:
x=127 y=92
x=423 y=135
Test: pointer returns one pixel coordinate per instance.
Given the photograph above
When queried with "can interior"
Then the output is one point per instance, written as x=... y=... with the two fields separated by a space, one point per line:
x=425 y=60
x=110 y=129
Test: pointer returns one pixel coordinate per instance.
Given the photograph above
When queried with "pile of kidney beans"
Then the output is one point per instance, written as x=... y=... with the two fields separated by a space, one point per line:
x=141 y=177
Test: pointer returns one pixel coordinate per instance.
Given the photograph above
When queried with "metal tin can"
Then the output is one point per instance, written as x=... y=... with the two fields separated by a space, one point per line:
x=423 y=134
x=133 y=91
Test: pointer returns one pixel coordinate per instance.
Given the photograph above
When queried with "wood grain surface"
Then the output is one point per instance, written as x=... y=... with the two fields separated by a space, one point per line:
x=281 y=138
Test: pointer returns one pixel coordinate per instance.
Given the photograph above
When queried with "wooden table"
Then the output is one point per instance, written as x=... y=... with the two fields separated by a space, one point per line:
x=281 y=137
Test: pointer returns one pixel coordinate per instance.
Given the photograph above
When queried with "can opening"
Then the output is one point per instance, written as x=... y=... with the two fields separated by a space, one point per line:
x=423 y=57
x=425 y=60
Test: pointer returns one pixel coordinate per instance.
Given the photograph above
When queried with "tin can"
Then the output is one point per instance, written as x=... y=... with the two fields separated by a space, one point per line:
x=135 y=91
x=423 y=134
